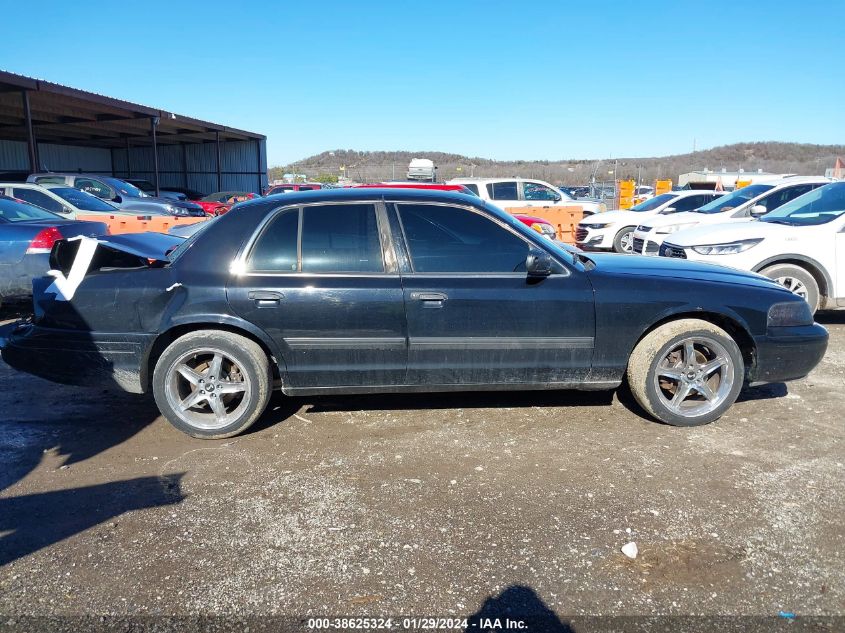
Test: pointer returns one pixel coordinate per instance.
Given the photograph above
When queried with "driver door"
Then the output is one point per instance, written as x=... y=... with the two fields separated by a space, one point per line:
x=474 y=316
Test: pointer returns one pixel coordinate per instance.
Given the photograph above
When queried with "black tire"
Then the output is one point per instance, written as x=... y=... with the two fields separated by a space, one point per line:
x=620 y=236
x=796 y=279
x=648 y=362
x=244 y=364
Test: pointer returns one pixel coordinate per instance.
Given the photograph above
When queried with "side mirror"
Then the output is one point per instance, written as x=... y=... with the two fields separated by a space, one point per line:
x=538 y=263
x=117 y=199
x=66 y=209
x=668 y=210
x=557 y=198
x=757 y=210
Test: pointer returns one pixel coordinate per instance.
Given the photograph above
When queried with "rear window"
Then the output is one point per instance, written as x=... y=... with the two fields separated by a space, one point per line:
x=14 y=211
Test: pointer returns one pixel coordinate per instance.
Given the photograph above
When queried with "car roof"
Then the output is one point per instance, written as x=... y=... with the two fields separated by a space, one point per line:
x=365 y=194
x=794 y=180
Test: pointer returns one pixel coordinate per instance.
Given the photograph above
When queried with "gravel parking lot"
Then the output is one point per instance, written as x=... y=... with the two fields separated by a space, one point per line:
x=429 y=504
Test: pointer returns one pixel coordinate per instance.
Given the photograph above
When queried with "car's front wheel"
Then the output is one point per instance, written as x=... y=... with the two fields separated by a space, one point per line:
x=624 y=240
x=212 y=384
x=686 y=372
x=797 y=280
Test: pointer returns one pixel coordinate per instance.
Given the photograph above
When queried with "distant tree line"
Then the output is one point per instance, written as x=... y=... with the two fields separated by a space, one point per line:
x=775 y=157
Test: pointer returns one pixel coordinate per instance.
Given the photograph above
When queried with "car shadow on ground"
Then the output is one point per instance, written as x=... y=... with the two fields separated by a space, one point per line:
x=516 y=608
x=831 y=317
x=64 y=425
x=31 y=522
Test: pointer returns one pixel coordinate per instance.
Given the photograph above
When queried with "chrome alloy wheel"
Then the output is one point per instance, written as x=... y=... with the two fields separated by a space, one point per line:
x=694 y=377
x=207 y=388
x=627 y=242
x=795 y=286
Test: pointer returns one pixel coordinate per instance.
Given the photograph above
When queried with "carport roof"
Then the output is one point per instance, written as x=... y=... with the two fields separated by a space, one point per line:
x=70 y=116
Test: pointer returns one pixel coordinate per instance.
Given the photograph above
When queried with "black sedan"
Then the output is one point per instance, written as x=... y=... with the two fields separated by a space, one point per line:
x=386 y=290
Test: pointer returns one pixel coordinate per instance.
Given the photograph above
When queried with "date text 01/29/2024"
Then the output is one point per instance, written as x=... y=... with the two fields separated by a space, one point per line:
x=414 y=624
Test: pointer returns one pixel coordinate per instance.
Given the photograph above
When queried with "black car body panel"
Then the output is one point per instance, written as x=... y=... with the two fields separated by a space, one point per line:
x=397 y=329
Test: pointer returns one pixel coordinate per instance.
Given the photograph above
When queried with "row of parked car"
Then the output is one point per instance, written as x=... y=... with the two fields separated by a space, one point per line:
x=790 y=230
x=53 y=206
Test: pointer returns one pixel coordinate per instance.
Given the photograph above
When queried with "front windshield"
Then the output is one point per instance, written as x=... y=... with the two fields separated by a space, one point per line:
x=12 y=210
x=819 y=206
x=734 y=199
x=127 y=189
x=652 y=203
x=82 y=200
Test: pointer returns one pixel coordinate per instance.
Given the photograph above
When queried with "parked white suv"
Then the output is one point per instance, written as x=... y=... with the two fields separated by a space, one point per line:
x=801 y=246
x=614 y=230
x=742 y=205
x=524 y=192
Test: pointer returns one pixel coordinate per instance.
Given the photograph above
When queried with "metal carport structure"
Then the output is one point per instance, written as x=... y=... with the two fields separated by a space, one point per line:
x=50 y=127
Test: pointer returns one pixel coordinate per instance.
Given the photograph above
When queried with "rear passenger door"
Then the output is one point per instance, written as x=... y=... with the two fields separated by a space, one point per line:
x=322 y=281
x=474 y=315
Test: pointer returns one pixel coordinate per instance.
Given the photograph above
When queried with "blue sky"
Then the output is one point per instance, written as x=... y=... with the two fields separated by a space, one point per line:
x=504 y=80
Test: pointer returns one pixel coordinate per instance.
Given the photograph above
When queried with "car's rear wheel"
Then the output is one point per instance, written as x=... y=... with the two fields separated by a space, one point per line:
x=797 y=280
x=212 y=384
x=624 y=240
x=686 y=373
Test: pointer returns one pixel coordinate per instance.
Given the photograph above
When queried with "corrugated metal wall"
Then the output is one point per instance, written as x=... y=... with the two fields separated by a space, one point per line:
x=14 y=157
x=240 y=163
x=200 y=163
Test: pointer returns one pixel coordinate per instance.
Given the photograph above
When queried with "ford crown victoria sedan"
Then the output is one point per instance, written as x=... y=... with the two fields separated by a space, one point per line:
x=387 y=290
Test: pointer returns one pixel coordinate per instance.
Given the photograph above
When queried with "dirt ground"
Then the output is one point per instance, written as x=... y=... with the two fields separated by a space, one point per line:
x=438 y=505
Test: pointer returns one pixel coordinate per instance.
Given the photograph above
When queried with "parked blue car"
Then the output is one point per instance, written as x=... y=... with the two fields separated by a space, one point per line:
x=27 y=234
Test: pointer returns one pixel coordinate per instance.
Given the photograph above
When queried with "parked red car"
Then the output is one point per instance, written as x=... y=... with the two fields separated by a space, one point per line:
x=220 y=202
x=293 y=186
x=544 y=227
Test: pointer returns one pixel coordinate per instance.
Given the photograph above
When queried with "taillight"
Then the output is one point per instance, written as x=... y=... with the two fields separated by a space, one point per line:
x=43 y=242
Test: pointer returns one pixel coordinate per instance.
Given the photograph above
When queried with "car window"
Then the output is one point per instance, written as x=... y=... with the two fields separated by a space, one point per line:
x=653 y=203
x=822 y=205
x=536 y=191
x=472 y=187
x=58 y=180
x=38 y=198
x=502 y=191
x=456 y=240
x=689 y=203
x=95 y=187
x=275 y=249
x=782 y=196
x=341 y=238
x=14 y=211
x=82 y=200
x=734 y=199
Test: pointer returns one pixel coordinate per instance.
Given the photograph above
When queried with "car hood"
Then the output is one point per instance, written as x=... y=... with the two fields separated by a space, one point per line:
x=639 y=266
x=731 y=232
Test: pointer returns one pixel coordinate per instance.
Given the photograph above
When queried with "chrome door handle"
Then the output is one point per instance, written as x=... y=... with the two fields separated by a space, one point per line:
x=266 y=298
x=428 y=296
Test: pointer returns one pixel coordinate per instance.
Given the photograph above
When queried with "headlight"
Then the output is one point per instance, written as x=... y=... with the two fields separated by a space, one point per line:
x=790 y=313
x=674 y=228
x=544 y=229
x=175 y=210
x=731 y=248
x=596 y=226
